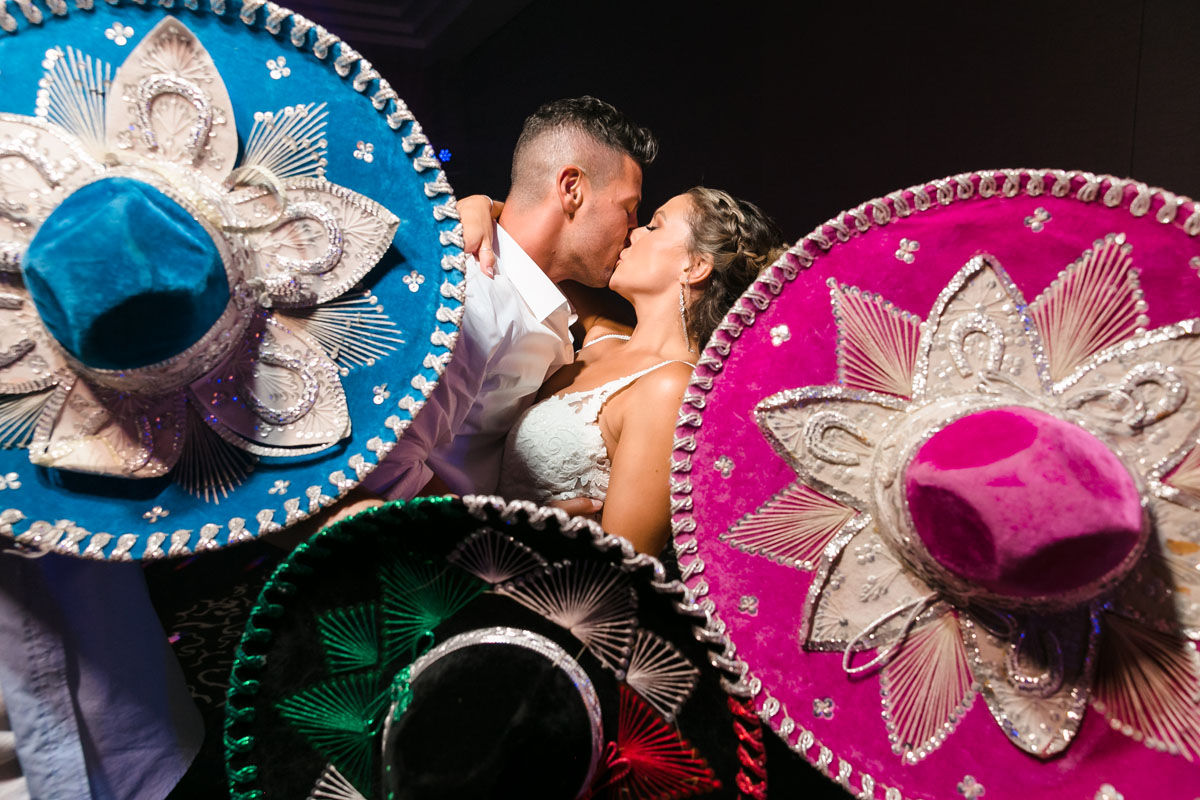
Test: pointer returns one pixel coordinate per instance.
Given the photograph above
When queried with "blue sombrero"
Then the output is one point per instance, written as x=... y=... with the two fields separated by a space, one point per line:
x=230 y=273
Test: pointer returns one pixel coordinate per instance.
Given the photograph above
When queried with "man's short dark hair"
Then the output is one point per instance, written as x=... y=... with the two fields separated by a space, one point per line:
x=594 y=118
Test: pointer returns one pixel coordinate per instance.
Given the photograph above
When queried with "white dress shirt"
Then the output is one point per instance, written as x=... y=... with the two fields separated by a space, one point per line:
x=515 y=333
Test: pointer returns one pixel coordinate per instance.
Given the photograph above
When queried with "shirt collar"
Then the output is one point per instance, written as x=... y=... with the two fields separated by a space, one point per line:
x=535 y=288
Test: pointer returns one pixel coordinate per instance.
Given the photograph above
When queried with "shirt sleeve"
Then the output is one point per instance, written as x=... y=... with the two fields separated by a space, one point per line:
x=405 y=472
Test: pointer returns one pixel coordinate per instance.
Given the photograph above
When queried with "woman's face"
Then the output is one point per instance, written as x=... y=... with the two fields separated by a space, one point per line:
x=657 y=255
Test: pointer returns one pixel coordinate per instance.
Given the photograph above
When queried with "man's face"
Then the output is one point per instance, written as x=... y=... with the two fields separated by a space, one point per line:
x=603 y=222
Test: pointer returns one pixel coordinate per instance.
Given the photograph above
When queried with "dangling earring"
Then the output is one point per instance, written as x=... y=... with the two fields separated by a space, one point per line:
x=683 y=318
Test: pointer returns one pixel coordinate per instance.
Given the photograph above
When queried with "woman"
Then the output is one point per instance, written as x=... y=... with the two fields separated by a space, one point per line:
x=603 y=427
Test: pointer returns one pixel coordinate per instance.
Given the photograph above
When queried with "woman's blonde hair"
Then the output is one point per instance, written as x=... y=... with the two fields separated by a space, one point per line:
x=741 y=241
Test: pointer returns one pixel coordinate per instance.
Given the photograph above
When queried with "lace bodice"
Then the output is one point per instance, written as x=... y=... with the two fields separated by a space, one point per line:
x=556 y=450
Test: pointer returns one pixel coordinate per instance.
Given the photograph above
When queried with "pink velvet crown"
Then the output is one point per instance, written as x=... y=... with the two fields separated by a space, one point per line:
x=945 y=451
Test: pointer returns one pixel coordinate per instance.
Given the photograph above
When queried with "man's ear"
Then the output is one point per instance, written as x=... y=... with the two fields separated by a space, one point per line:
x=699 y=271
x=571 y=186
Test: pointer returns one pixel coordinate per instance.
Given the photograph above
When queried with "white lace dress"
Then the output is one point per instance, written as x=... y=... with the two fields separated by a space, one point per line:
x=556 y=451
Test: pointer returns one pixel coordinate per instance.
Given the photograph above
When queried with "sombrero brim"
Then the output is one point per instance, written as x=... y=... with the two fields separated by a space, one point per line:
x=337 y=568
x=899 y=253
x=388 y=337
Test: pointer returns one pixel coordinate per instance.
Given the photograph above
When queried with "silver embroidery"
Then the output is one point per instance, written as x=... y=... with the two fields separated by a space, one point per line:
x=154 y=86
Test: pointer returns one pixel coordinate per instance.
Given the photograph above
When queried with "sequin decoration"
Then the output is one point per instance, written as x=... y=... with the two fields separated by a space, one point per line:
x=823 y=708
x=724 y=465
x=279 y=487
x=748 y=604
x=907 y=250
x=1037 y=221
x=278 y=68
x=381 y=394
x=413 y=280
x=780 y=334
x=119 y=34
x=364 y=151
x=970 y=788
x=155 y=514
x=1194 y=263
x=1108 y=792
x=9 y=481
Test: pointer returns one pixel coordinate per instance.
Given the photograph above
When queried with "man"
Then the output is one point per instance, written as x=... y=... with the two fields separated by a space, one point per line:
x=576 y=186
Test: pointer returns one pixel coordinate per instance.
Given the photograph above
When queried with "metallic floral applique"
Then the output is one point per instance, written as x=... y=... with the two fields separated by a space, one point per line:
x=364 y=151
x=155 y=514
x=780 y=334
x=1037 y=221
x=823 y=708
x=970 y=788
x=906 y=251
x=413 y=280
x=724 y=465
x=278 y=68
x=119 y=34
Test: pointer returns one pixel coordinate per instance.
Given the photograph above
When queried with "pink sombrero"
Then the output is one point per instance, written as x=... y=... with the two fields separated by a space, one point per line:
x=937 y=474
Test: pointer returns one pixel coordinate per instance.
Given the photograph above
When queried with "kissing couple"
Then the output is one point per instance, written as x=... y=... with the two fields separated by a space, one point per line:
x=522 y=413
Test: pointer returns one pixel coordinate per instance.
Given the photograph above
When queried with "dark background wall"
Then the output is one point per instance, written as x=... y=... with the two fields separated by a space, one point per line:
x=808 y=109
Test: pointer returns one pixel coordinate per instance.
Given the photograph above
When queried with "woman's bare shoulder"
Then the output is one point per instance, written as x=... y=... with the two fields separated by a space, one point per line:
x=663 y=386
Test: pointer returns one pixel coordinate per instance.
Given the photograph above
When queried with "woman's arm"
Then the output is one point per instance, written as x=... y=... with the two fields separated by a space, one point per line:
x=638 y=505
x=600 y=311
x=477 y=213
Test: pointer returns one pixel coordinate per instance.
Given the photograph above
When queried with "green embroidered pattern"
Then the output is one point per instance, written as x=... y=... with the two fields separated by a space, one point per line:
x=340 y=717
x=418 y=596
x=350 y=637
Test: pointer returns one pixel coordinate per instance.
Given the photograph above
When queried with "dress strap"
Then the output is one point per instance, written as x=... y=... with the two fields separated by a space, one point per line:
x=620 y=336
x=612 y=387
x=589 y=402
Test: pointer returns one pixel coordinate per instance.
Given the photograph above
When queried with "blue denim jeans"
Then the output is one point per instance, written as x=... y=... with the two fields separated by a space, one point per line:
x=95 y=696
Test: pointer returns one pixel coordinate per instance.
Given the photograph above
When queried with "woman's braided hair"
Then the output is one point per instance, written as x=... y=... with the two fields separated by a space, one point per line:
x=741 y=241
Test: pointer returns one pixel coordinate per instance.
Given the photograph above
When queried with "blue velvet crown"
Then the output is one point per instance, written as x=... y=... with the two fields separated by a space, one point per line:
x=230 y=273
